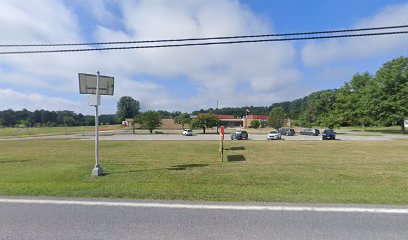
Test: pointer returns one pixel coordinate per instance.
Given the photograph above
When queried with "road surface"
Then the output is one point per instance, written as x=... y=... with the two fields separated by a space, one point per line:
x=112 y=219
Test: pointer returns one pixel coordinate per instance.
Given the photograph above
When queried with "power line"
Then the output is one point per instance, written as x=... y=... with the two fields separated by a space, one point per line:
x=207 y=38
x=201 y=43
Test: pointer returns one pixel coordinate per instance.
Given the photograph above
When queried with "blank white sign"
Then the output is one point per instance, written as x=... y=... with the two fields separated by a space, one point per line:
x=87 y=84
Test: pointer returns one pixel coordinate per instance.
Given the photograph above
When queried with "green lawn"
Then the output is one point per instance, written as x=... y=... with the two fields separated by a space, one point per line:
x=368 y=130
x=48 y=131
x=272 y=171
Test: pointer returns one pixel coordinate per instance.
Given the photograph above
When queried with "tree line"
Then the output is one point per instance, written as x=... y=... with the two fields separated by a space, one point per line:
x=45 y=118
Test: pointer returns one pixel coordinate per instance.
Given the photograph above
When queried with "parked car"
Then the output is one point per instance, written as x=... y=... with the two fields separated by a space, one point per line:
x=187 y=132
x=310 y=132
x=328 y=134
x=287 y=131
x=274 y=135
x=239 y=135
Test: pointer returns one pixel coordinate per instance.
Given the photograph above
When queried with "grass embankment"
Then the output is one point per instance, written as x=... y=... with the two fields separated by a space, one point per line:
x=50 y=131
x=275 y=171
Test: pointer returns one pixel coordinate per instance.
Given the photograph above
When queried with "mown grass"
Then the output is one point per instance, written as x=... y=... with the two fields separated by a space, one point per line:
x=373 y=130
x=49 y=131
x=271 y=171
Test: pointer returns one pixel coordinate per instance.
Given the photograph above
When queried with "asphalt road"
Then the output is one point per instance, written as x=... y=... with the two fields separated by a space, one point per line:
x=195 y=221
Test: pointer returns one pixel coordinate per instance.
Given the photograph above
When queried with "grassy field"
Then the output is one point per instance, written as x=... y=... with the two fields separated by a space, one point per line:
x=375 y=130
x=272 y=171
x=48 y=131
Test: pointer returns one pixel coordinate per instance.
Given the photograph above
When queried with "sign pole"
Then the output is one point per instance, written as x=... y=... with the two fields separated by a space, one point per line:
x=95 y=86
x=97 y=171
x=222 y=143
x=222 y=148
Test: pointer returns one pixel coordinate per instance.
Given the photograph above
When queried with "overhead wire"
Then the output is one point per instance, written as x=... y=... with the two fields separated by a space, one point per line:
x=206 y=43
x=205 y=38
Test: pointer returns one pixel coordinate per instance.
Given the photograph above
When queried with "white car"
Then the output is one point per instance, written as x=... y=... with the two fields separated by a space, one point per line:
x=187 y=132
x=274 y=135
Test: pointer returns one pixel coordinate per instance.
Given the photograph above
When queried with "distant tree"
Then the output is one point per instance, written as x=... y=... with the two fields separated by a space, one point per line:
x=149 y=120
x=276 y=118
x=318 y=104
x=204 y=121
x=182 y=119
x=68 y=121
x=352 y=105
x=331 y=121
x=127 y=107
x=255 y=124
x=7 y=118
x=165 y=114
x=108 y=119
x=390 y=94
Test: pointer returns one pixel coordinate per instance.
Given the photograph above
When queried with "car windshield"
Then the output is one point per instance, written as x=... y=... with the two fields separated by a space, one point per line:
x=273 y=132
x=328 y=131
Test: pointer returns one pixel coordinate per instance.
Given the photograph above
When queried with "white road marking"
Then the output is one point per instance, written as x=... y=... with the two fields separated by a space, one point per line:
x=210 y=207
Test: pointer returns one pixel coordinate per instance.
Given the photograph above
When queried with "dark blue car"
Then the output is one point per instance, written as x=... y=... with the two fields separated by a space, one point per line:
x=328 y=134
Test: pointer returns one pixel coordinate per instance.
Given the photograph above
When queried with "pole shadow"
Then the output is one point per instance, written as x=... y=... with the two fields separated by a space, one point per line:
x=235 y=148
x=185 y=166
x=236 y=158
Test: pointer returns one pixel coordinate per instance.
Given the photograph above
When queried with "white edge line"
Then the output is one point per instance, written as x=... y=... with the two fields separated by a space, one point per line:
x=211 y=207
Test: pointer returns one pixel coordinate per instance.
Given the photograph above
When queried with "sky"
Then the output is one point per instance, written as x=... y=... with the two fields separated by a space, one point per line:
x=190 y=78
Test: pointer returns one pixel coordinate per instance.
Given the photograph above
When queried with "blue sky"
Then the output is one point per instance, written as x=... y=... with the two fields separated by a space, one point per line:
x=189 y=79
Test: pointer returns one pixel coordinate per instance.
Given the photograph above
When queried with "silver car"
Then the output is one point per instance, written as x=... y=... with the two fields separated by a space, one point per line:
x=274 y=135
x=187 y=132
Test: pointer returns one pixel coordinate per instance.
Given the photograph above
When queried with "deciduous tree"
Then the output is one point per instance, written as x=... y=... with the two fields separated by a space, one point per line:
x=390 y=95
x=182 y=119
x=204 y=121
x=127 y=107
x=276 y=118
x=255 y=124
x=149 y=120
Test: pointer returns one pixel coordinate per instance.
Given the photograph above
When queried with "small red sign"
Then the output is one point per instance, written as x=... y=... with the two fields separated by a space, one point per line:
x=222 y=131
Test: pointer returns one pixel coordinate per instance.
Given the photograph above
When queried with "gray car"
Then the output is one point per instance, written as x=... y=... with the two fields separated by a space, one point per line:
x=239 y=135
x=287 y=131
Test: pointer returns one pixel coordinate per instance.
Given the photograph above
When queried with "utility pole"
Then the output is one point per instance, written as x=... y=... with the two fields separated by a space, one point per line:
x=97 y=171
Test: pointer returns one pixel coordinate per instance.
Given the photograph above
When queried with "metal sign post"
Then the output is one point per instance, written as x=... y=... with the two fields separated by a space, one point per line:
x=96 y=85
x=97 y=171
x=222 y=143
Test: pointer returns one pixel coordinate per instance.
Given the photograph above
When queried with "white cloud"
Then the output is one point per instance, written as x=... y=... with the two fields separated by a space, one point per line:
x=218 y=72
x=323 y=52
x=264 y=68
x=40 y=21
x=17 y=100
